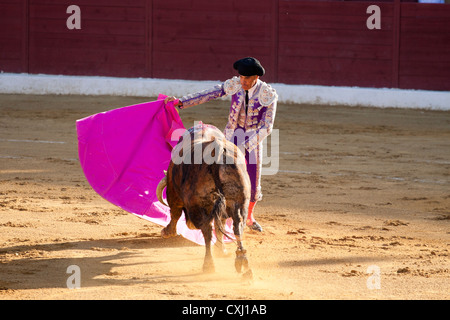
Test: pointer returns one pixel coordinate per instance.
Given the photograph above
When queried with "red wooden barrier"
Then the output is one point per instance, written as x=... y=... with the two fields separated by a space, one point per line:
x=13 y=36
x=298 y=41
x=329 y=43
x=112 y=40
x=201 y=39
x=425 y=47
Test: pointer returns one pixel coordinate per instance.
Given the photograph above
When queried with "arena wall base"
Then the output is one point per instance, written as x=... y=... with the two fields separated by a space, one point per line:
x=299 y=94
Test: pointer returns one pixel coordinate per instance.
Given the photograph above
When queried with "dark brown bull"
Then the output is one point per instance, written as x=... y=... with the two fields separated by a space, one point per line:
x=208 y=180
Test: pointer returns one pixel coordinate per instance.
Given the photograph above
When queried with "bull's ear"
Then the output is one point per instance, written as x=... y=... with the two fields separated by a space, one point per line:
x=165 y=172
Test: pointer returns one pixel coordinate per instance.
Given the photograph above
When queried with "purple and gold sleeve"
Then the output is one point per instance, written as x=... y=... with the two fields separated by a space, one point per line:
x=197 y=98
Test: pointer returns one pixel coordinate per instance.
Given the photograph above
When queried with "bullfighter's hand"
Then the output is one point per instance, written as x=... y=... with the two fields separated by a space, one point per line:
x=169 y=99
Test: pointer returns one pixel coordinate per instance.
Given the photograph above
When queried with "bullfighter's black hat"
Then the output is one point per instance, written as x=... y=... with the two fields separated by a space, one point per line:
x=249 y=67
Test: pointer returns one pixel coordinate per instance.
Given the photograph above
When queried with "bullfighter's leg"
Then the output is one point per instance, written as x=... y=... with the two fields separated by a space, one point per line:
x=171 y=229
x=208 y=264
x=254 y=161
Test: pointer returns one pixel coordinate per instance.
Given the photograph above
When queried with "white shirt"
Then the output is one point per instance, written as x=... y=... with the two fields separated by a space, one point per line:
x=252 y=89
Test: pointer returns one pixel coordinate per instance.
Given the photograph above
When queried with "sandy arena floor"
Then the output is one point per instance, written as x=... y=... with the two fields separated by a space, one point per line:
x=359 y=209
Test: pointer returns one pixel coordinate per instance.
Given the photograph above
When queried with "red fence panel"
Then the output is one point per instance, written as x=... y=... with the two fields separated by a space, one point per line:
x=425 y=46
x=111 y=42
x=328 y=43
x=201 y=39
x=13 y=36
x=298 y=41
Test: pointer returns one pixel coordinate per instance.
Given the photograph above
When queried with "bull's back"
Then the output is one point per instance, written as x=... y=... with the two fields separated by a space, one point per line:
x=211 y=165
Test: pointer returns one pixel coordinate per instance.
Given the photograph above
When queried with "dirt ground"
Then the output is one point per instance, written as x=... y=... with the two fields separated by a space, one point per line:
x=359 y=209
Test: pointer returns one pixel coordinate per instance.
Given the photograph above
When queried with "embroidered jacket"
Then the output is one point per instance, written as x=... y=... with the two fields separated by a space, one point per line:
x=258 y=123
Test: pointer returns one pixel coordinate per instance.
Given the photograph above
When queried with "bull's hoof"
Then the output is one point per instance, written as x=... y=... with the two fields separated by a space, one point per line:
x=165 y=234
x=241 y=261
x=248 y=276
x=209 y=267
x=238 y=265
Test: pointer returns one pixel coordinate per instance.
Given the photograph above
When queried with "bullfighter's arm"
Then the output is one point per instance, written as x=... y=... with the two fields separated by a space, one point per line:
x=194 y=99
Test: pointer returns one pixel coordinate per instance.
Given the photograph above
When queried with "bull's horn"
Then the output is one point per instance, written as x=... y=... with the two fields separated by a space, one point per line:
x=159 y=190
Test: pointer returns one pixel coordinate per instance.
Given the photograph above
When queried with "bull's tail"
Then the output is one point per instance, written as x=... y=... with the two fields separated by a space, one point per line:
x=220 y=206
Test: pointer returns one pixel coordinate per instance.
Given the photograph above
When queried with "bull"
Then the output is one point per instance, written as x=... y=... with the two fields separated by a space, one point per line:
x=208 y=181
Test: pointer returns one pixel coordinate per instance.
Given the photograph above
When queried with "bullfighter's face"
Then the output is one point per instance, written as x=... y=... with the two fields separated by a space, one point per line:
x=247 y=82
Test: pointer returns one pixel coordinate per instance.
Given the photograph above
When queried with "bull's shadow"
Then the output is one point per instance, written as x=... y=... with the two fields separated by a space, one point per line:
x=33 y=270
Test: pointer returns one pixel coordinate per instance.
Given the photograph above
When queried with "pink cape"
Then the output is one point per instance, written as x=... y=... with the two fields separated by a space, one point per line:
x=123 y=154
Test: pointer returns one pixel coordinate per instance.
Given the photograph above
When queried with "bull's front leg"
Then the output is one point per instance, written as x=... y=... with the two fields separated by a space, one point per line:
x=208 y=264
x=171 y=229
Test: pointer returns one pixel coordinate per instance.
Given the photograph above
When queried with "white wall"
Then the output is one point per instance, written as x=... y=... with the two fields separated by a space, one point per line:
x=351 y=96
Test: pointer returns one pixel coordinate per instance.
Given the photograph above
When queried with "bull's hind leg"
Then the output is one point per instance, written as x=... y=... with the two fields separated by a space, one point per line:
x=208 y=264
x=171 y=229
x=241 y=261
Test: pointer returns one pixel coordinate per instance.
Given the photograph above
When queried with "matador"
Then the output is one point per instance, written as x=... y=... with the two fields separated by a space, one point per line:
x=250 y=121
